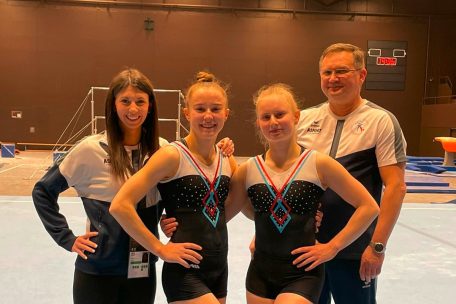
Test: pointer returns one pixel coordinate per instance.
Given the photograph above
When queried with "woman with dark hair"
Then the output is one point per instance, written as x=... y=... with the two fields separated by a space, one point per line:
x=142 y=130
x=106 y=267
x=193 y=178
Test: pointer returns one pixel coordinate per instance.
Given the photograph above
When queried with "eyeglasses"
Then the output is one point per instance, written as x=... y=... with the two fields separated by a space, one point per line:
x=339 y=73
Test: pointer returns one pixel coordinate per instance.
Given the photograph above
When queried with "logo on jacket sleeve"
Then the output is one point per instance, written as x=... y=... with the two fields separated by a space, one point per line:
x=104 y=146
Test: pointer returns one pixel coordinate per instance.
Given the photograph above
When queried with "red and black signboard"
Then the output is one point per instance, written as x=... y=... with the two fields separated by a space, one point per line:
x=386 y=65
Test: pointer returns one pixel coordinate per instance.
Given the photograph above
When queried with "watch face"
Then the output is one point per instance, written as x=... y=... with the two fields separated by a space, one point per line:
x=378 y=247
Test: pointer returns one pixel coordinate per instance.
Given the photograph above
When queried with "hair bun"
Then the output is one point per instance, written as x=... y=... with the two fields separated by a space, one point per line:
x=205 y=77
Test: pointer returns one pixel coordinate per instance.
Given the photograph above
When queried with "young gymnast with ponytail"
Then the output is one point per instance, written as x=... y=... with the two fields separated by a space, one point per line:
x=193 y=179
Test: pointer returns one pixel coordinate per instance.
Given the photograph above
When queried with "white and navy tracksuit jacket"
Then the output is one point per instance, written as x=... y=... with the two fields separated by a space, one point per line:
x=86 y=168
x=366 y=139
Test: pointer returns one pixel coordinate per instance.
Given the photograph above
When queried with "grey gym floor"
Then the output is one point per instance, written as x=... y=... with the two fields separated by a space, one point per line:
x=420 y=264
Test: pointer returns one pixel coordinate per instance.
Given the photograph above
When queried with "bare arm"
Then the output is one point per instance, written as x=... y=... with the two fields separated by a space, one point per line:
x=237 y=198
x=161 y=165
x=333 y=175
x=248 y=211
x=390 y=207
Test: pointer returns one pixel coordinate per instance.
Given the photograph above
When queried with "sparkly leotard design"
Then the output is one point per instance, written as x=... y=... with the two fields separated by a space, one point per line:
x=279 y=209
x=285 y=203
x=210 y=201
x=196 y=196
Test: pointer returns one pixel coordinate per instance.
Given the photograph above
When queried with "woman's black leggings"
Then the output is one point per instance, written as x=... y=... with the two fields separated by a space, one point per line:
x=97 y=289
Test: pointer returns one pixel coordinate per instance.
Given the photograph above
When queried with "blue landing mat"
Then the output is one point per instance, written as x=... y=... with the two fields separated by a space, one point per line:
x=440 y=191
x=425 y=168
x=427 y=184
x=429 y=158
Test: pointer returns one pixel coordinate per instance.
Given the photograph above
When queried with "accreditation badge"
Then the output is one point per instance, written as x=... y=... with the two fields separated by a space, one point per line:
x=138 y=261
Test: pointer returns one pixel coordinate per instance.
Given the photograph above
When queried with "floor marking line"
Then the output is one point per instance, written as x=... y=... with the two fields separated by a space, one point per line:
x=427 y=235
x=31 y=201
x=440 y=209
x=12 y=168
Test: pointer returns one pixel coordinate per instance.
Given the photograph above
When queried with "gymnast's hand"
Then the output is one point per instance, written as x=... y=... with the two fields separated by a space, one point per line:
x=314 y=255
x=226 y=145
x=83 y=243
x=180 y=253
x=168 y=225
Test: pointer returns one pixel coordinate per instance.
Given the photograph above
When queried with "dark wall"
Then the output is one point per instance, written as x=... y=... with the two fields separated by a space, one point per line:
x=439 y=110
x=52 y=54
x=437 y=120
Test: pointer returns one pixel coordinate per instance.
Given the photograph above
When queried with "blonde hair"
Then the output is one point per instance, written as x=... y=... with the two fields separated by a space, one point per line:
x=280 y=89
x=204 y=79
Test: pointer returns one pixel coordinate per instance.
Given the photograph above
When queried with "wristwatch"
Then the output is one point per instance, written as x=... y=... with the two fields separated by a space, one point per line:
x=378 y=247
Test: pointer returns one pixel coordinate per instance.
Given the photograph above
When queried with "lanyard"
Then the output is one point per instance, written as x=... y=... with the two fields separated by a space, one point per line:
x=136 y=159
x=138 y=257
x=136 y=165
x=211 y=199
x=280 y=205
